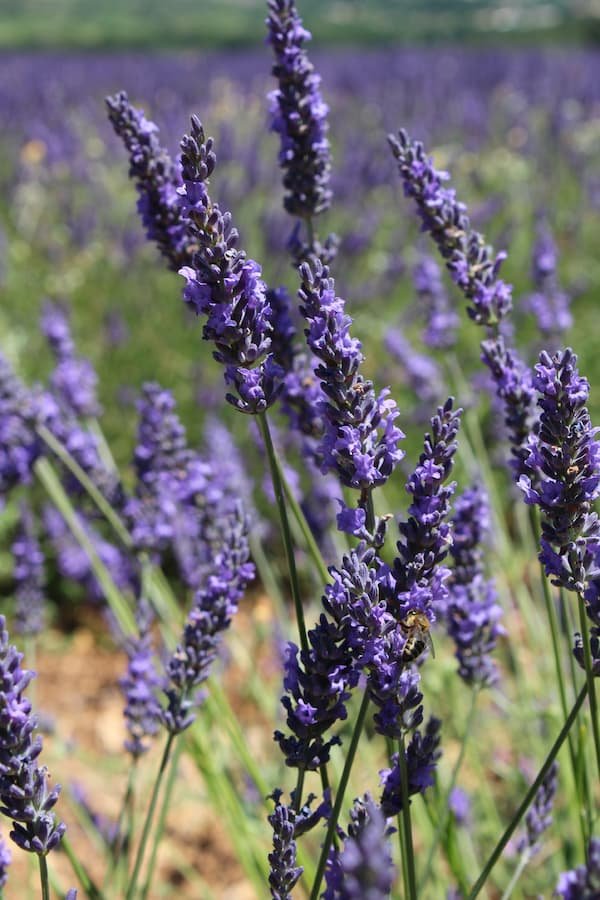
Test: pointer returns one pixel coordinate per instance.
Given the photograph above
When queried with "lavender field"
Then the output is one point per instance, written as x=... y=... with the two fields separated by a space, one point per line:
x=298 y=525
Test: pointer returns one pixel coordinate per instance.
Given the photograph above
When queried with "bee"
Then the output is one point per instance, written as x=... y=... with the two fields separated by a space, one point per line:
x=415 y=626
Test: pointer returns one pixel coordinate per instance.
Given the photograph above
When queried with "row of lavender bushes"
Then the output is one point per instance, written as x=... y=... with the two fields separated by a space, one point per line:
x=376 y=732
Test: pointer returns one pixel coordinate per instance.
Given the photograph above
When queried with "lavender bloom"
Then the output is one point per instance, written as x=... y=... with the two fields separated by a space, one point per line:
x=472 y=612
x=5 y=861
x=441 y=321
x=161 y=443
x=19 y=444
x=226 y=286
x=363 y=869
x=157 y=180
x=28 y=575
x=360 y=442
x=24 y=794
x=539 y=815
x=420 y=372
x=284 y=872
x=459 y=804
x=214 y=606
x=71 y=894
x=74 y=380
x=139 y=686
x=474 y=268
x=299 y=114
x=565 y=461
x=549 y=304
x=582 y=883
x=107 y=829
x=421 y=756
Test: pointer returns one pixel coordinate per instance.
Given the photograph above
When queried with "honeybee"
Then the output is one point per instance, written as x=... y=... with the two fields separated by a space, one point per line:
x=415 y=626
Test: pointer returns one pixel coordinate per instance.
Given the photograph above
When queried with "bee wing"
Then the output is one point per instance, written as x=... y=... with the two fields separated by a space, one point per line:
x=429 y=641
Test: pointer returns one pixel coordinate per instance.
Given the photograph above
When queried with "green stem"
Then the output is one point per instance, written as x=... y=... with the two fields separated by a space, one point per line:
x=525 y=857
x=311 y=544
x=508 y=833
x=285 y=528
x=444 y=805
x=99 y=499
x=589 y=674
x=149 y=816
x=162 y=818
x=44 y=876
x=335 y=813
x=92 y=892
x=401 y=841
x=406 y=821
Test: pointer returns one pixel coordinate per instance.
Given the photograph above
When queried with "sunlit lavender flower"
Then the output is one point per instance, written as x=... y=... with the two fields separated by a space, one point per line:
x=19 y=444
x=564 y=459
x=226 y=286
x=474 y=268
x=441 y=320
x=214 y=606
x=472 y=613
x=582 y=883
x=539 y=815
x=363 y=868
x=284 y=873
x=157 y=180
x=5 y=861
x=74 y=380
x=549 y=304
x=140 y=686
x=24 y=794
x=360 y=442
x=28 y=575
x=299 y=114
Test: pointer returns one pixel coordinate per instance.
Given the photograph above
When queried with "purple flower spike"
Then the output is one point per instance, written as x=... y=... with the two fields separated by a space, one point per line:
x=284 y=872
x=225 y=286
x=74 y=380
x=157 y=180
x=549 y=304
x=539 y=816
x=24 y=794
x=5 y=861
x=298 y=114
x=564 y=461
x=140 y=686
x=582 y=883
x=421 y=756
x=442 y=321
x=19 y=444
x=363 y=869
x=29 y=578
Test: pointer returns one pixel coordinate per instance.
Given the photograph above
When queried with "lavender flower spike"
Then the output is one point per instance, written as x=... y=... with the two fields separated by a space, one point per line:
x=284 y=872
x=539 y=816
x=29 y=577
x=24 y=795
x=363 y=870
x=157 y=180
x=299 y=114
x=139 y=685
x=74 y=380
x=564 y=461
x=226 y=286
x=582 y=883
x=19 y=444
x=5 y=861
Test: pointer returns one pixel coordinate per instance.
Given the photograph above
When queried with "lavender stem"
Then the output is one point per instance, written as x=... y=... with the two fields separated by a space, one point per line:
x=91 y=890
x=409 y=861
x=285 y=528
x=529 y=796
x=162 y=817
x=587 y=656
x=335 y=812
x=44 y=877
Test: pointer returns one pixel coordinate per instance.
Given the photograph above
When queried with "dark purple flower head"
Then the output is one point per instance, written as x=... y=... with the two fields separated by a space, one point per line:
x=24 y=794
x=421 y=757
x=140 y=686
x=363 y=869
x=284 y=872
x=539 y=815
x=225 y=286
x=19 y=444
x=441 y=320
x=157 y=180
x=564 y=459
x=5 y=861
x=214 y=606
x=298 y=114
x=582 y=883
x=74 y=380
x=28 y=575
x=361 y=440
x=161 y=442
